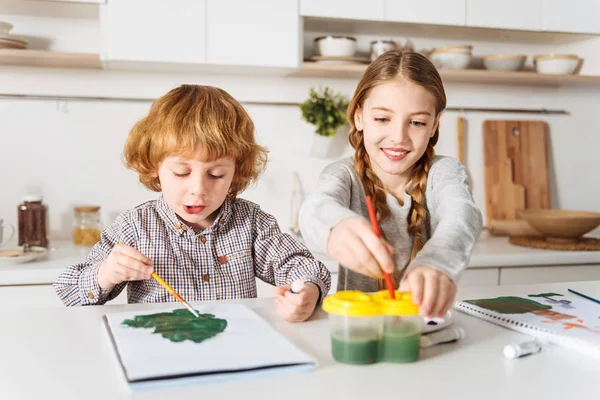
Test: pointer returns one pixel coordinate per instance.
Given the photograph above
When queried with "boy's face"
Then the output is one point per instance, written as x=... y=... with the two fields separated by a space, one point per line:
x=196 y=189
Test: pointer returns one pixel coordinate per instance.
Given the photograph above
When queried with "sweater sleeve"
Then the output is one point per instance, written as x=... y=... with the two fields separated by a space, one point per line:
x=326 y=207
x=456 y=221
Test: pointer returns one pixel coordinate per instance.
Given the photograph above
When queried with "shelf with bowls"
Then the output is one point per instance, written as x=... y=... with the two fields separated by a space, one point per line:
x=45 y=58
x=355 y=71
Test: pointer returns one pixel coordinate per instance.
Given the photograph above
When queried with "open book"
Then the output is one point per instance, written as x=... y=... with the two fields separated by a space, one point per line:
x=568 y=321
x=229 y=340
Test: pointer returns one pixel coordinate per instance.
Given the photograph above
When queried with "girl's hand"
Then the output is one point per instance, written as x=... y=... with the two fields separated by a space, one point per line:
x=124 y=263
x=432 y=290
x=354 y=245
x=296 y=307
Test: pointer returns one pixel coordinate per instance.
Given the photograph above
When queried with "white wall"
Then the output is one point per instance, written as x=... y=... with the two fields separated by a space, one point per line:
x=71 y=152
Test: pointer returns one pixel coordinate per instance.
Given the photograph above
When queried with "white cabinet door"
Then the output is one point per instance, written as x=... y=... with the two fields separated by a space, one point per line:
x=566 y=273
x=439 y=12
x=506 y=14
x=170 y=31
x=581 y=16
x=38 y=296
x=343 y=9
x=253 y=33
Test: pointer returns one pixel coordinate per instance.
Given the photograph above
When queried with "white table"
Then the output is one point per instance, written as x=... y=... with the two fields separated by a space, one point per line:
x=66 y=353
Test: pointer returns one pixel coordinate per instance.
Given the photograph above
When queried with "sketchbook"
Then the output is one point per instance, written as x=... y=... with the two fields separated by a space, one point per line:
x=568 y=321
x=228 y=341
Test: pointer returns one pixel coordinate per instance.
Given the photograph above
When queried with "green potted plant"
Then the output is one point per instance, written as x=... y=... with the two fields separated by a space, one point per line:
x=326 y=110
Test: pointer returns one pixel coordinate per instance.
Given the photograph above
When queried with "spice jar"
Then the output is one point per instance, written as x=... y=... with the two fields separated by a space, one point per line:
x=32 y=221
x=86 y=226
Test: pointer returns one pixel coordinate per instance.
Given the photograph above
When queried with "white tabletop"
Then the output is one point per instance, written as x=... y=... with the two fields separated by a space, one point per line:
x=66 y=353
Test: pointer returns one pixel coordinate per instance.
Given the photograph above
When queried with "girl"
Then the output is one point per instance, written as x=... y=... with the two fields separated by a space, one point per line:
x=423 y=202
x=197 y=148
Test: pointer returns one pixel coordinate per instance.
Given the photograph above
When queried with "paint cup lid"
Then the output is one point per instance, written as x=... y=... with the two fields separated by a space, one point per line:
x=351 y=303
x=401 y=305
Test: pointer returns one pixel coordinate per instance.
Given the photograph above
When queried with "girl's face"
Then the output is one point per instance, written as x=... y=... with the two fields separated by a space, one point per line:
x=397 y=120
x=196 y=189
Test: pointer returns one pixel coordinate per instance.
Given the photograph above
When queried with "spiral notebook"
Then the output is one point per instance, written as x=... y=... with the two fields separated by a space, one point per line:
x=567 y=321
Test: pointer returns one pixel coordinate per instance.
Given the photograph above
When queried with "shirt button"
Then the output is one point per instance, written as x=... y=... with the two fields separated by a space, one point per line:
x=205 y=277
x=176 y=226
x=222 y=222
x=202 y=239
x=184 y=227
x=90 y=295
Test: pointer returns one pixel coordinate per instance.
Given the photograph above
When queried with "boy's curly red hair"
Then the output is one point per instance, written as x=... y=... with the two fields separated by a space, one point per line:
x=191 y=119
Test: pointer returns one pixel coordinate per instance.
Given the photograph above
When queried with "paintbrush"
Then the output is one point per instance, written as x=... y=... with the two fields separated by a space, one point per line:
x=373 y=218
x=174 y=293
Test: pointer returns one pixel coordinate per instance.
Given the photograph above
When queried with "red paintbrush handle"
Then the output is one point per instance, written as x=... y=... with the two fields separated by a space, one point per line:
x=373 y=218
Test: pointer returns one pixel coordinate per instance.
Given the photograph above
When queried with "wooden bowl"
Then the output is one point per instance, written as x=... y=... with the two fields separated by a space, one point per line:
x=561 y=225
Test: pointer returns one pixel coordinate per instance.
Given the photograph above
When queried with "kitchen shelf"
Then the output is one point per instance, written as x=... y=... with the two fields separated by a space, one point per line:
x=44 y=58
x=354 y=71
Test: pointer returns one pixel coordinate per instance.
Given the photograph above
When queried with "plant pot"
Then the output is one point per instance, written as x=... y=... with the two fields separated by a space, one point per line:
x=330 y=146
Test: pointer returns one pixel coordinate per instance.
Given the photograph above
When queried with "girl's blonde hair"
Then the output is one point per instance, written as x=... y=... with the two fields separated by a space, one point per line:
x=417 y=69
x=191 y=119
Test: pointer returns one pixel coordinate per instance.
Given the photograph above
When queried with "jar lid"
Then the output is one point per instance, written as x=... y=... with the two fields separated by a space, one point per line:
x=32 y=197
x=401 y=305
x=86 y=209
x=351 y=303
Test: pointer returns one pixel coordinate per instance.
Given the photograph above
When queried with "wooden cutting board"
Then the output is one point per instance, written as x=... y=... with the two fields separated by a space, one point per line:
x=515 y=156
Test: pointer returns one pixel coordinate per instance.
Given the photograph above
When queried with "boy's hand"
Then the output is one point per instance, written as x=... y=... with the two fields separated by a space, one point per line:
x=296 y=307
x=124 y=263
x=432 y=290
x=354 y=245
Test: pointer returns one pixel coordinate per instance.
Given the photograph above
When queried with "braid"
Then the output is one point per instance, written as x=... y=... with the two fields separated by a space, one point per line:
x=370 y=181
x=418 y=214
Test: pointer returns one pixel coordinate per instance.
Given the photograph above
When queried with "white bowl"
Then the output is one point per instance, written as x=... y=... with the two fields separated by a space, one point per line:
x=450 y=59
x=467 y=49
x=560 y=64
x=336 y=46
x=5 y=27
x=504 y=62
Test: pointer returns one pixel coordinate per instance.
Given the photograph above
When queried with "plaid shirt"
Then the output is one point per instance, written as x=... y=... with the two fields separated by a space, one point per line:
x=220 y=262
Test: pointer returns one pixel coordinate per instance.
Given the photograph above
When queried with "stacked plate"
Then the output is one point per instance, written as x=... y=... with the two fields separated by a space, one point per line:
x=10 y=42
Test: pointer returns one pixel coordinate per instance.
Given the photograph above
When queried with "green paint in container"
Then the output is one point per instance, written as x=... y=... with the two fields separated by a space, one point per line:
x=356 y=350
x=356 y=322
x=402 y=327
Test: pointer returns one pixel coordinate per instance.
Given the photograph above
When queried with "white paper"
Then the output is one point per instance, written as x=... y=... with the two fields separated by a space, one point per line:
x=247 y=342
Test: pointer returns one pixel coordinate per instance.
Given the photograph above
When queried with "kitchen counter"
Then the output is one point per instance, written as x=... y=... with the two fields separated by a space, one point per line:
x=489 y=252
x=74 y=358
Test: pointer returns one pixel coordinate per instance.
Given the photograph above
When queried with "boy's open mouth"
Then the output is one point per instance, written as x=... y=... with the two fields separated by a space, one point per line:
x=193 y=209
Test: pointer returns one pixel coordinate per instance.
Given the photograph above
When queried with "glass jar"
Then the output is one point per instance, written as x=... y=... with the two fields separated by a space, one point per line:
x=86 y=226
x=402 y=327
x=355 y=321
x=32 y=221
x=378 y=47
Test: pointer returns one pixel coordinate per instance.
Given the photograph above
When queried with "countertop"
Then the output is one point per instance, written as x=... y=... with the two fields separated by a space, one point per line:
x=74 y=359
x=489 y=252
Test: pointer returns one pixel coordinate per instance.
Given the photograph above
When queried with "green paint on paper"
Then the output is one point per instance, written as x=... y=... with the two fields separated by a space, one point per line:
x=509 y=305
x=544 y=295
x=180 y=325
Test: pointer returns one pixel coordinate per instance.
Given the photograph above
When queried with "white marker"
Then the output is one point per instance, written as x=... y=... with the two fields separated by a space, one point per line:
x=444 y=336
x=297 y=286
x=513 y=351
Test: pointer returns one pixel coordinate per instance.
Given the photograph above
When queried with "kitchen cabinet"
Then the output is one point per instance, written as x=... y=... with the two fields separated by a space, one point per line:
x=578 y=16
x=559 y=273
x=439 y=12
x=163 y=31
x=344 y=9
x=38 y=296
x=259 y=33
x=507 y=14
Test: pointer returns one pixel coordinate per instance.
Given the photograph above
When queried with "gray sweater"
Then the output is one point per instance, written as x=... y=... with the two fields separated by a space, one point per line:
x=455 y=220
